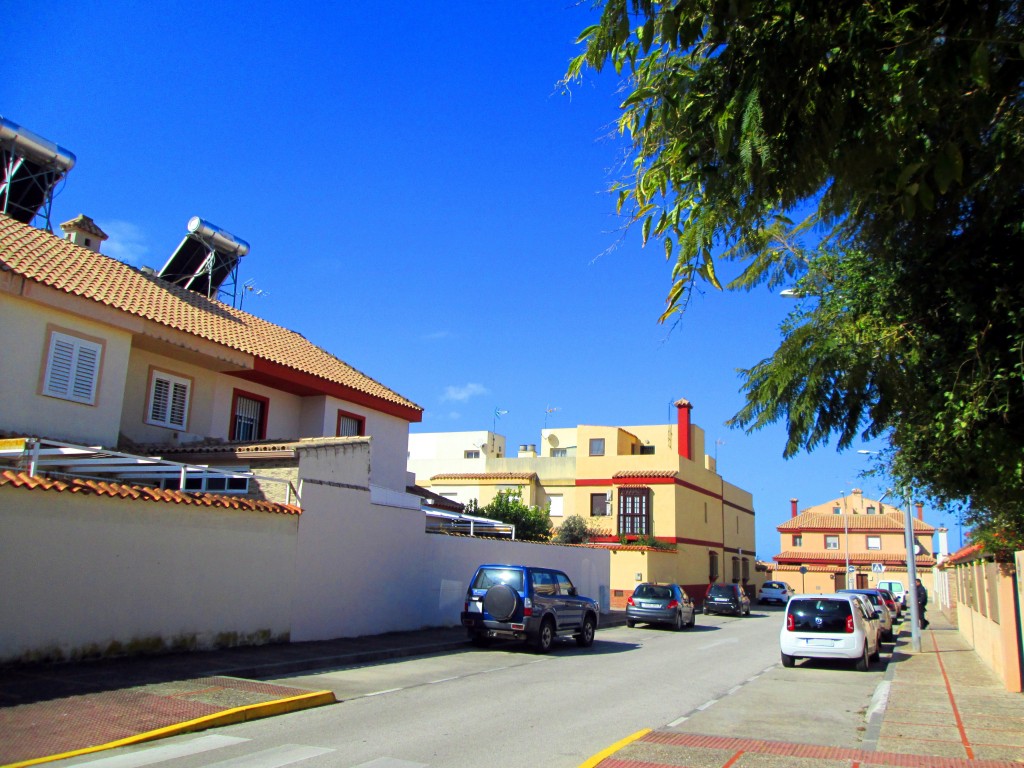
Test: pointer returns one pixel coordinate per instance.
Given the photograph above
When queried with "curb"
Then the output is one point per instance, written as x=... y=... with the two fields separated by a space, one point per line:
x=227 y=717
x=593 y=761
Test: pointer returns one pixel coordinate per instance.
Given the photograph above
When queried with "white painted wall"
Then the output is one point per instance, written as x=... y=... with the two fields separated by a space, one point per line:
x=82 y=572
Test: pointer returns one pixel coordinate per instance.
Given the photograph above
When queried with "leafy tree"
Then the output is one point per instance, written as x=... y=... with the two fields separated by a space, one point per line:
x=531 y=522
x=575 y=529
x=899 y=126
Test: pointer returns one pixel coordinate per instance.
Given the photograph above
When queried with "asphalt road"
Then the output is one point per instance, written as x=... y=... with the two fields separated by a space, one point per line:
x=506 y=706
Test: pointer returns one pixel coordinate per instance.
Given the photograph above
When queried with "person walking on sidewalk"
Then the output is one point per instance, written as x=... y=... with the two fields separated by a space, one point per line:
x=922 y=601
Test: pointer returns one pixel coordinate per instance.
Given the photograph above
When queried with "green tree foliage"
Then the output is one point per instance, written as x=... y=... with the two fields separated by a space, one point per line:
x=899 y=127
x=575 y=530
x=531 y=522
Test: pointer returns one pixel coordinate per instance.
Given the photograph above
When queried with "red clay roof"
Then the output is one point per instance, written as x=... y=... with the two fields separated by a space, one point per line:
x=639 y=474
x=59 y=264
x=859 y=558
x=85 y=224
x=141 y=493
x=890 y=521
x=966 y=554
x=811 y=568
x=487 y=476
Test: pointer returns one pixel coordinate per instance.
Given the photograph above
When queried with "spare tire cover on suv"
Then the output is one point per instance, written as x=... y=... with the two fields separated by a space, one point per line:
x=500 y=601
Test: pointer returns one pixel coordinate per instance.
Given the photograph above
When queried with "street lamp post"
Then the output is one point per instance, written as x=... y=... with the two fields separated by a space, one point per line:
x=908 y=536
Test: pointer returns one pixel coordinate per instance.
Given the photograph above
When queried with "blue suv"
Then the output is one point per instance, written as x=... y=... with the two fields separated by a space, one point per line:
x=521 y=602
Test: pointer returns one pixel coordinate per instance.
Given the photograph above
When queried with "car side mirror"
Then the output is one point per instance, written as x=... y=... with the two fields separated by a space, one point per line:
x=572 y=591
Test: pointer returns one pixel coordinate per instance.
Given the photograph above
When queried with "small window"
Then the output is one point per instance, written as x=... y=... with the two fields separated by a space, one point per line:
x=836 y=511
x=72 y=368
x=88 y=243
x=871 y=510
x=597 y=446
x=598 y=505
x=646 y=450
x=559 y=453
x=350 y=424
x=831 y=542
x=874 y=542
x=249 y=416
x=471 y=454
x=168 y=400
x=218 y=483
x=557 y=506
x=798 y=540
x=712 y=567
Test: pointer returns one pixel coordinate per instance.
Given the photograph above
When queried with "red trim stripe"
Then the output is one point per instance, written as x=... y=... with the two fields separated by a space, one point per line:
x=952 y=701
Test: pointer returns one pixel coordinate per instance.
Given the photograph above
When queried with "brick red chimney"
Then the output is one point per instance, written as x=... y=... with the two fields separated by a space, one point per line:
x=792 y=507
x=920 y=512
x=683 y=416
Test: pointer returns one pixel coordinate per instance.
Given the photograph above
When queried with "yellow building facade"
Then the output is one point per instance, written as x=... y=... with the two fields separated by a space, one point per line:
x=655 y=498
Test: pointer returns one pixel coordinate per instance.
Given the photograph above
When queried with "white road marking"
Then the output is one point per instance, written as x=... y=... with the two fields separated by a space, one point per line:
x=678 y=721
x=724 y=641
x=381 y=693
x=706 y=704
x=275 y=757
x=752 y=679
x=733 y=690
x=443 y=680
x=153 y=755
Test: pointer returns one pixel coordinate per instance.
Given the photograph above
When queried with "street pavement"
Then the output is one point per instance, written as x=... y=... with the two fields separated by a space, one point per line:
x=941 y=708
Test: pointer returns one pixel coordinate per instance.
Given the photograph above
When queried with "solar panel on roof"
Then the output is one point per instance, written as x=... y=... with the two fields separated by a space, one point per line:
x=31 y=168
x=206 y=257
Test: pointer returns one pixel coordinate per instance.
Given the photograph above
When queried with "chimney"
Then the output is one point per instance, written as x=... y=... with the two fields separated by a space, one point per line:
x=683 y=417
x=792 y=507
x=920 y=511
x=83 y=231
x=527 y=451
x=943 y=543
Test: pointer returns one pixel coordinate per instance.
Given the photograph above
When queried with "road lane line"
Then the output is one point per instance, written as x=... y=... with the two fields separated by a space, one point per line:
x=443 y=680
x=725 y=641
x=678 y=721
x=275 y=757
x=381 y=693
x=706 y=704
x=153 y=755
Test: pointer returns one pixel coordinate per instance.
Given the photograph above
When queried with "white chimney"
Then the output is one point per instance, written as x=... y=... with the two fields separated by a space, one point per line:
x=83 y=231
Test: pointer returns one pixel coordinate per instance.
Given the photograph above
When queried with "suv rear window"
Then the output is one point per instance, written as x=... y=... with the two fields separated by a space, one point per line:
x=488 y=577
x=653 y=592
x=722 y=590
x=819 y=615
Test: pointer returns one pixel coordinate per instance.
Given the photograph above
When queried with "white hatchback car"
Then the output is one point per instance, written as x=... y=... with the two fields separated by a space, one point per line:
x=775 y=592
x=836 y=626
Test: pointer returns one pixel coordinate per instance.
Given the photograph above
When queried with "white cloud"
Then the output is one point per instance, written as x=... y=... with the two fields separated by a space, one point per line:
x=461 y=394
x=126 y=243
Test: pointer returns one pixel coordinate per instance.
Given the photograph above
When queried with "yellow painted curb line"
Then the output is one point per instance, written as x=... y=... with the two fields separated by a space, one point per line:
x=608 y=752
x=227 y=717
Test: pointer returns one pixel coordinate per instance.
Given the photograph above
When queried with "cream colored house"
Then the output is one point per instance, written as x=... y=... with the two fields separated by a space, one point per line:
x=97 y=352
x=852 y=531
x=664 y=511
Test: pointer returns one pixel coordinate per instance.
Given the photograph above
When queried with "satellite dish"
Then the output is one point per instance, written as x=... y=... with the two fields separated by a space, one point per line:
x=553 y=441
x=917 y=549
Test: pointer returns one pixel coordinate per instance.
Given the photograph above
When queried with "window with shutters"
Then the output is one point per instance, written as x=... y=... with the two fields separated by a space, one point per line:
x=248 y=416
x=169 y=397
x=72 y=368
x=350 y=424
x=634 y=511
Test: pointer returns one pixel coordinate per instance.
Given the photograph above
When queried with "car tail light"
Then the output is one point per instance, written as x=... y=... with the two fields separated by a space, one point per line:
x=849 y=625
x=673 y=604
x=630 y=601
x=527 y=607
x=790 y=623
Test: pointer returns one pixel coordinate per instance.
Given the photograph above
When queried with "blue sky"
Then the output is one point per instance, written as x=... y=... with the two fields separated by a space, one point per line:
x=421 y=198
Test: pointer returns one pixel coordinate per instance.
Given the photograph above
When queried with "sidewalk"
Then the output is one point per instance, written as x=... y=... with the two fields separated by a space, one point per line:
x=940 y=708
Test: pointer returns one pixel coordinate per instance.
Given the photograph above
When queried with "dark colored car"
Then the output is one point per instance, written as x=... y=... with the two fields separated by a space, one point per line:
x=893 y=604
x=521 y=602
x=660 y=604
x=885 y=618
x=727 y=598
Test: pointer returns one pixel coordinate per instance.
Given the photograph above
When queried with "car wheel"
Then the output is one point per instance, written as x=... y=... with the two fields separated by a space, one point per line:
x=501 y=601
x=864 y=663
x=630 y=623
x=677 y=623
x=877 y=655
x=546 y=636
x=787 y=660
x=705 y=611
x=585 y=638
x=693 y=620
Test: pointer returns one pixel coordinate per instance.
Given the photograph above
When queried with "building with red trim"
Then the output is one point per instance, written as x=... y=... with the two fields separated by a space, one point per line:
x=867 y=534
x=652 y=494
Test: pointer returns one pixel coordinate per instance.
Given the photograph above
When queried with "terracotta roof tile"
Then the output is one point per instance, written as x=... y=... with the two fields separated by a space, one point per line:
x=59 y=264
x=858 y=558
x=890 y=521
x=26 y=481
x=965 y=555
x=811 y=568
x=642 y=473
x=487 y=476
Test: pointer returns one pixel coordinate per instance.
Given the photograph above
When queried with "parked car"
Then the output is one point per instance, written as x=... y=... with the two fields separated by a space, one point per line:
x=726 y=598
x=897 y=589
x=775 y=592
x=660 y=604
x=534 y=605
x=836 y=626
x=893 y=604
x=880 y=609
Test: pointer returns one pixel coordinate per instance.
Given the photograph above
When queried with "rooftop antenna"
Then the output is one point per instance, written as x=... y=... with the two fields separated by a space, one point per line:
x=250 y=286
x=31 y=168
x=206 y=258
